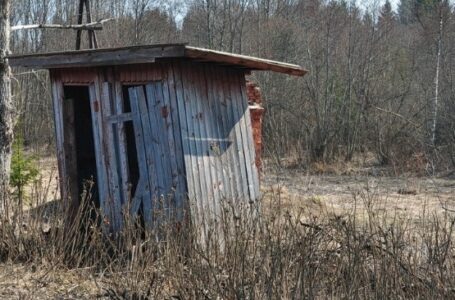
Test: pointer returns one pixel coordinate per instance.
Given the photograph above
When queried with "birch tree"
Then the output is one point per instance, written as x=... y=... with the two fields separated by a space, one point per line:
x=434 y=121
x=6 y=104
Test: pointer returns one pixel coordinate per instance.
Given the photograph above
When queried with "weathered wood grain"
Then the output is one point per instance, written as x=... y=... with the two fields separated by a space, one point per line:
x=100 y=57
x=121 y=141
x=233 y=125
x=162 y=152
x=194 y=168
x=70 y=154
x=149 y=54
x=225 y=156
x=57 y=99
x=206 y=123
x=94 y=92
x=175 y=143
x=250 y=62
x=110 y=149
x=240 y=114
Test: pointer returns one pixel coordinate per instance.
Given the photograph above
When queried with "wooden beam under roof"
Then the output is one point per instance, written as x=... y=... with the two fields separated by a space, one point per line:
x=148 y=54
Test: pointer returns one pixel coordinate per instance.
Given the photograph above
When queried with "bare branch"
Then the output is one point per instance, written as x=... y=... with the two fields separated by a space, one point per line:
x=98 y=25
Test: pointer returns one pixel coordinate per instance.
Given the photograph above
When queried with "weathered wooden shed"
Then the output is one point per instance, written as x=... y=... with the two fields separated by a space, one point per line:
x=154 y=127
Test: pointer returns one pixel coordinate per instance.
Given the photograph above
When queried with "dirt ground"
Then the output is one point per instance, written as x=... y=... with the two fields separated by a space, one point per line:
x=410 y=196
x=28 y=282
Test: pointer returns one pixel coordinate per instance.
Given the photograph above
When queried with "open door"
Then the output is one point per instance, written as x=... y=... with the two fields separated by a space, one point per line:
x=78 y=146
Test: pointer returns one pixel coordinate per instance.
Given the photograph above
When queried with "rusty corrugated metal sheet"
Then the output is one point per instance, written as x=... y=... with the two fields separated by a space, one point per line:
x=128 y=74
x=81 y=76
x=139 y=73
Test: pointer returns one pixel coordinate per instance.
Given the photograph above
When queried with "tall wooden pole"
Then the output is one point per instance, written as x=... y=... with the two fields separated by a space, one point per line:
x=6 y=106
x=93 y=43
x=80 y=14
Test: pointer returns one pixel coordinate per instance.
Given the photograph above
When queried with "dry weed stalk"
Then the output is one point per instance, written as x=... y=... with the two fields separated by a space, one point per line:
x=278 y=255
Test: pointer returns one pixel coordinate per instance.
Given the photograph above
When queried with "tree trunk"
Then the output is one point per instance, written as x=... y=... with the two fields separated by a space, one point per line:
x=436 y=81
x=6 y=106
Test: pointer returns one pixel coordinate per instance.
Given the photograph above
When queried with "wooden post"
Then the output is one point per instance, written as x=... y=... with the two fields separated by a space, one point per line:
x=93 y=43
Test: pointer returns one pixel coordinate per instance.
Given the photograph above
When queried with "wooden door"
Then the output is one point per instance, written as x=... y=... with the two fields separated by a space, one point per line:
x=159 y=190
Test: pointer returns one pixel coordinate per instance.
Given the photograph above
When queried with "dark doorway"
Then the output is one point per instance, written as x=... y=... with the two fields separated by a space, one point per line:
x=79 y=145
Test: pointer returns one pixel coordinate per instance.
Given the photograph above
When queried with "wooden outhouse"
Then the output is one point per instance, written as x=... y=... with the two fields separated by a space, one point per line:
x=154 y=127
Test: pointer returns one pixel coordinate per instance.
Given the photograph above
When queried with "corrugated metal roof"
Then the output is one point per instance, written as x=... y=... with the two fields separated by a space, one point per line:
x=148 y=54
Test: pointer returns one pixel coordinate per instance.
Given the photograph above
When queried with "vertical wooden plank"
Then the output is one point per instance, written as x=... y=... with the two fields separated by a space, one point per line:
x=140 y=192
x=143 y=188
x=150 y=144
x=175 y=140
x=110 y=148
x=208 y=136
x=97 y=138
x=57 y=98
x=238 y=160
x=70 y=154
x=219 y=151
x=240 y=115
x=227 y=159
x=243 y=98
x=185 y=99
x=180 y=112
x=241 y=136
x=155 y=141
x=141 y=124
x=162 y=153
x=218 y=147
x=121 y=138
x=199 y=138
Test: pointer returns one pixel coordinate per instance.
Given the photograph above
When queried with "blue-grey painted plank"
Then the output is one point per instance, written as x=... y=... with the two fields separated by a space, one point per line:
x=120 y=118
x=184 y=132
x=122 y=143
x=157 y=141
x=240 y=186
x=57 y=98
x=227 y=160
x=111 y=149
x=160 y=164
x=241 y=139
x=200 y=139
x=207 y=122
x=150 y=141
x=141 y=153
x=163 y=152
x=218 y=147
x=175 y=143
x=240 y=114
x=138 y=195
x=197 y=189
x=94 y=91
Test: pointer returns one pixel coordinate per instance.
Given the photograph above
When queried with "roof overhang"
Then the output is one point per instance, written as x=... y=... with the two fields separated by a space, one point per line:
x=147 y=54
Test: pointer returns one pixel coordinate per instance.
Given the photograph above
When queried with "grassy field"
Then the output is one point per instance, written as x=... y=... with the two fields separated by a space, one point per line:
x=318 y=237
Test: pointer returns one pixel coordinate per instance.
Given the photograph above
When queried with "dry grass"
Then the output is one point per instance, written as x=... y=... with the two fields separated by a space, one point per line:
x=302 y=247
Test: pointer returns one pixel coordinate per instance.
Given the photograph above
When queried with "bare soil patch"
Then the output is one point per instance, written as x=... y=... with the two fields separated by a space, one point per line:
x=410 y=196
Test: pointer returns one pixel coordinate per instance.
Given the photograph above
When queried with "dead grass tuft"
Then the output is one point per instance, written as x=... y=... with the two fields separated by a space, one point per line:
x=296 y=249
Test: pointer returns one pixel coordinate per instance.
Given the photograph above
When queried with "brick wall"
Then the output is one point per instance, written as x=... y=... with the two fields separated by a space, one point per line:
x=257 y=115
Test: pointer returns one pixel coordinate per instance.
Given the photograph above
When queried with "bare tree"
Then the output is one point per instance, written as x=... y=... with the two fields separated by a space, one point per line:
x=6 y=104
x=436 y=78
